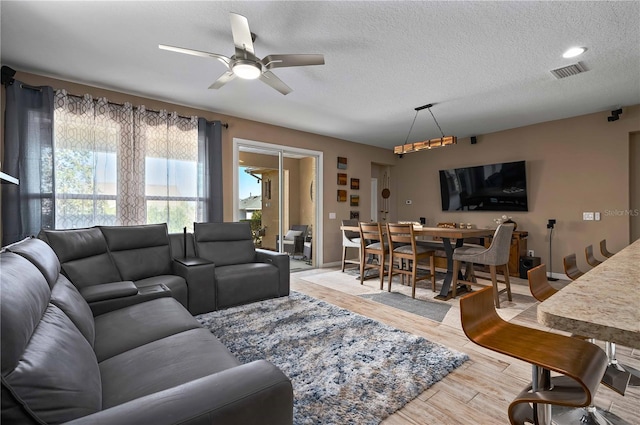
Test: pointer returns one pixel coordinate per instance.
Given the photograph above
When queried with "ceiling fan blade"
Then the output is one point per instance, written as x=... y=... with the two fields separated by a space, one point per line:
x=275 y=82
x=224 y=79
x=281 y=61
x=192 y=52
x=242 y=36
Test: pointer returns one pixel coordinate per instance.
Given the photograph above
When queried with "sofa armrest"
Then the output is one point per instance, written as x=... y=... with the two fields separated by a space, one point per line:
x=281 y=261
x=108 y=291
x=254 y=393
x=141 y=295
x=200 y=277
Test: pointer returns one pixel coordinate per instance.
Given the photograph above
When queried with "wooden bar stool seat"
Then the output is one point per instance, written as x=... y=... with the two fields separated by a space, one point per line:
x=591 y=259
x=580 y=363
x=571 y=267
x=603 y=249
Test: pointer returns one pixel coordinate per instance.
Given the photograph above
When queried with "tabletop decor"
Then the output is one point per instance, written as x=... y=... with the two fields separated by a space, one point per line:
x=345 y=368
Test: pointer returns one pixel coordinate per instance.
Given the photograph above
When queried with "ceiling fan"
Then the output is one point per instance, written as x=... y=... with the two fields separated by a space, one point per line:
x=245 y=64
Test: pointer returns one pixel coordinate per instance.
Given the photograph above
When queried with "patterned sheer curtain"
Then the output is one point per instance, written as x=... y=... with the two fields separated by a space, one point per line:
x=120 y=165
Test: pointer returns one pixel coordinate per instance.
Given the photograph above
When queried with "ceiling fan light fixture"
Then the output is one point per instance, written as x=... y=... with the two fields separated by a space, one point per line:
x=247 y=70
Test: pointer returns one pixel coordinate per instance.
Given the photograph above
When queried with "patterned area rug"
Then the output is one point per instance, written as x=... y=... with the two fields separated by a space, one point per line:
x=431 y=310
x=345 y=368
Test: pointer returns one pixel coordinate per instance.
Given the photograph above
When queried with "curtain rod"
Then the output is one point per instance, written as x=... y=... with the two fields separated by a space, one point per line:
x=26 y=86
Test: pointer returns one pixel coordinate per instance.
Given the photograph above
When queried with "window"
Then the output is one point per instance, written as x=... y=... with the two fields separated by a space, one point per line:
x=116 y=165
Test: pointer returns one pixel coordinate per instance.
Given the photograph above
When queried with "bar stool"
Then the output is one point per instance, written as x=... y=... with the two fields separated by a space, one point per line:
x=614 y=377
x=350 y=239
x=603 y=249
x=580 y=363
x=591 y=259
x=372 y=244
x=497 y=255
x=403 y=246
x=571 y=267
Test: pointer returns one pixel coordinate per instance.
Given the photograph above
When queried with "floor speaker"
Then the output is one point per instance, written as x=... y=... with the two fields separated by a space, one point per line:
x=526 y=264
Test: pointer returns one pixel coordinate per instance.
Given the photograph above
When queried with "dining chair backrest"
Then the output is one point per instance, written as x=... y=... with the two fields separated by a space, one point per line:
x=370 y=233
x=498 y=252
x=400 y=234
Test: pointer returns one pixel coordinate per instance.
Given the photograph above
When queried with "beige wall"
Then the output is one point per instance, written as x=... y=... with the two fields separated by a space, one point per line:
x=573 y=165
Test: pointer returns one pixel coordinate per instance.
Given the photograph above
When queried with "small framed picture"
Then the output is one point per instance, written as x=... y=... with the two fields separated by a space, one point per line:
x=342 y=179
x=342 y=196
x=342 y=163
x=355 y=200
x=355 y=215
x=355 y=184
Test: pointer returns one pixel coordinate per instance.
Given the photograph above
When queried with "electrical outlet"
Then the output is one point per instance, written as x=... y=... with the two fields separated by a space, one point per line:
x=597 y=216
x=530 y=253
x=587 y=216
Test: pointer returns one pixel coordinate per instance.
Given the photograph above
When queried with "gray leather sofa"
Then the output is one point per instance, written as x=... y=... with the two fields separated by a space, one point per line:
x=116 y=266
x=144 y=363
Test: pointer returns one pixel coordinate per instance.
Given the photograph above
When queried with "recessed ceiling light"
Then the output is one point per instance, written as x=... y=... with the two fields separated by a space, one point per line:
x=573 y=52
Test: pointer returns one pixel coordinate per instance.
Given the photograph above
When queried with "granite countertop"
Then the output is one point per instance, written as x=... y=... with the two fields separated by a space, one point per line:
x=604 y=303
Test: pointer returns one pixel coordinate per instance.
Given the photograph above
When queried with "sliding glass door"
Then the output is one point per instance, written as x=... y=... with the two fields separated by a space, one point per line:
x=276 y=190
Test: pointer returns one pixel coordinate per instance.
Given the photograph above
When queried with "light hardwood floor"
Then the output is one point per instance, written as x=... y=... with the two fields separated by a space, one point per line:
x=478 y=392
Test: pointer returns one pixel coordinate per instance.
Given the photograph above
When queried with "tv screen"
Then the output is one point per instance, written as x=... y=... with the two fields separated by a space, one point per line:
x=494 y=187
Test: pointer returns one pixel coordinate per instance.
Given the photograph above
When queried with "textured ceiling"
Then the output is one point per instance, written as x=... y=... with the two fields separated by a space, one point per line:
x=484 y=65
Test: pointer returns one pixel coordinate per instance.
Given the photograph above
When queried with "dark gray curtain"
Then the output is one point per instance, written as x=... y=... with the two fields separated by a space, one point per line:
x=210 y=152
x=28 y=155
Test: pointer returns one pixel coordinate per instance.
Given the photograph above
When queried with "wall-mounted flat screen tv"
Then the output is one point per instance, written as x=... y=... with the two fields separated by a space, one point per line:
x=494 y=187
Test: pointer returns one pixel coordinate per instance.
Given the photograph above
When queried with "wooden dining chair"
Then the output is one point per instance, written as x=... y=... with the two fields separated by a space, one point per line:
x=404 y=250
x=497 y=255
x=591 y=259
x=603 y=249
x=571 y=267
x=372 y=245
x=580 y=364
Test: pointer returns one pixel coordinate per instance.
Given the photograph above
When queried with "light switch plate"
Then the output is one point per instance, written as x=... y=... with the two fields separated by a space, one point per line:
x=596 y=216
x=332 y=216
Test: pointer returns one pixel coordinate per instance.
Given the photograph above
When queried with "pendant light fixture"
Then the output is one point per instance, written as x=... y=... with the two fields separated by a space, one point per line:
x=425 y=144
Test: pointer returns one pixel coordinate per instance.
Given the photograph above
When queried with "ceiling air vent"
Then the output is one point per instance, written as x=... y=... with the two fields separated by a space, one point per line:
x=568 y=71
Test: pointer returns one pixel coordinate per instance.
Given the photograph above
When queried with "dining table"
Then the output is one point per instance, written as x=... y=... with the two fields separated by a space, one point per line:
x=603 y=304
x=452 y=238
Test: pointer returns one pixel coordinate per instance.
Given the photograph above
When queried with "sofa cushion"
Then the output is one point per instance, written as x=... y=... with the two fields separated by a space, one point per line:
x=139 y=251
x=83 y=255
x=41 y=255
x=225 y=243
x=25 y=297
x=163 y=364
x=67 y=298
x=47 y=363
x=234 y=282
x=130 y=327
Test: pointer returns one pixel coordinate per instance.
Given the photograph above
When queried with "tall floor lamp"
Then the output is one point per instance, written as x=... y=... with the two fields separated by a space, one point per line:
x=550 y=225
